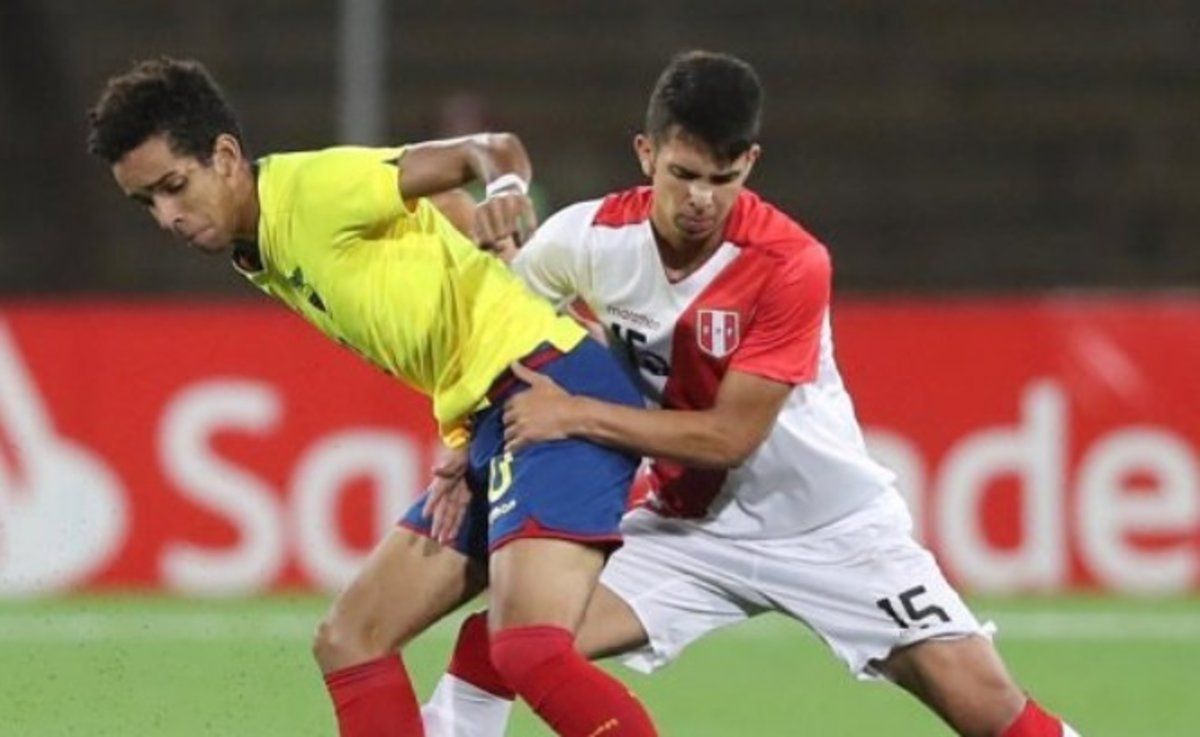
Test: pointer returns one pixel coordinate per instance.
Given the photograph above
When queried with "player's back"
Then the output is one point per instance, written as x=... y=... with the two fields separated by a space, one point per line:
x=395 y=281
x=759 y=305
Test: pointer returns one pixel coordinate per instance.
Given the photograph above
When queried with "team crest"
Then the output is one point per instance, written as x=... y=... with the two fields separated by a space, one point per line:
x=717 y=332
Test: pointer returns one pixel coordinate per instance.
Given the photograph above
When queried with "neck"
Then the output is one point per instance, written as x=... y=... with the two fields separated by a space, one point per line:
x=248 y=212
x=682 y=257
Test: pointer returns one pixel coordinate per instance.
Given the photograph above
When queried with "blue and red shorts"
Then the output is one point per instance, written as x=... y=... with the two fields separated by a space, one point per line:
x=568 y=489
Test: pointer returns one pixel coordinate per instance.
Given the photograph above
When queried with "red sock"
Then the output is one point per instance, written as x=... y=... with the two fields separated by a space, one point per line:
x=574 y=697
x=1033 y=722
x=472 y=659
x=375 y=699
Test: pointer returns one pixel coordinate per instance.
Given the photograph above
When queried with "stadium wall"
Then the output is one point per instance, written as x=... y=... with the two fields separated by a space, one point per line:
x=1043 y=444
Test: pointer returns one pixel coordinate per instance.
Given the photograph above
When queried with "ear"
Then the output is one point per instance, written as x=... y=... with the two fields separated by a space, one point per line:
x=751 y=157
x=227 y=154
x=643 y=146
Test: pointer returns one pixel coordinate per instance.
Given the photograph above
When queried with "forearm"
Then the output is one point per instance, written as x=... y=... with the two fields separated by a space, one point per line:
x=457 y=206
x=694 y=438
x=492 y=155
x=436 y=166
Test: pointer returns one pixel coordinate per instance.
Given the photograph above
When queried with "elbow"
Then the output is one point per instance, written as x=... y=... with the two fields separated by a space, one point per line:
x=504 y=141
x=734 y=455
x=729 y=450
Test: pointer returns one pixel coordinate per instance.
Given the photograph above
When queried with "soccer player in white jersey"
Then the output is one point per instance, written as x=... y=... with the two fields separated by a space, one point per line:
x=763 y=497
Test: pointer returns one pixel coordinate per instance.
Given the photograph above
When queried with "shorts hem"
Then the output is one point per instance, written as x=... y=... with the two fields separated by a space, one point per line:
x=406 y=525
x=532 y=529
x=649 y=657
x=863 y=669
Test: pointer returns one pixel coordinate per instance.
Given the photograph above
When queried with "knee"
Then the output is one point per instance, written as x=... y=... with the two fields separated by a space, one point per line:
x=964 y=681
x=340 y=642
x=987 y=702
x=996 y=699
x=1007 y=700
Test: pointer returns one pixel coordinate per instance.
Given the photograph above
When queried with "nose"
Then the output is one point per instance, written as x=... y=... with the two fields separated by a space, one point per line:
x=165 y=214
x=700 y=194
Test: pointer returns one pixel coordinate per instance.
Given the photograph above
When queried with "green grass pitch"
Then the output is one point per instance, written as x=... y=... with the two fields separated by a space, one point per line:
x=134 y=666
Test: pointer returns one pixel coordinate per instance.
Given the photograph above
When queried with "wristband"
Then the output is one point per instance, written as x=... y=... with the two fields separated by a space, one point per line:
x=504 y=182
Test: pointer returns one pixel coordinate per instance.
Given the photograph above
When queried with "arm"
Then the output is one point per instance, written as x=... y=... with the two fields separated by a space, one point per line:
x=780 y=350
x=723 y=436
x=432 y=167
x=458 y=206
x=496 y=159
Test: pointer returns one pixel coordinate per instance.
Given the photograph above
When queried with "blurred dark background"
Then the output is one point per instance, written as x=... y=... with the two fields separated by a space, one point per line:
x=935 y=146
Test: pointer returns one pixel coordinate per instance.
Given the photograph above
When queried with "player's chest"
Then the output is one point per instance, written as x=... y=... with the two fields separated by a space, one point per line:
x=691 y=325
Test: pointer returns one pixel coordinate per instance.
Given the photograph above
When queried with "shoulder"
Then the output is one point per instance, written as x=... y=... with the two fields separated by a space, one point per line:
x=343 y=164
x=627 y=207
x=576 y=218
x=763 y=229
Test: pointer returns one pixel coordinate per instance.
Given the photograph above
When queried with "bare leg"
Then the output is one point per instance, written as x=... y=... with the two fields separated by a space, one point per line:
x=540 y=590
x=542 y=582
x=408 y=583
x=609 y=627
x=962 y=680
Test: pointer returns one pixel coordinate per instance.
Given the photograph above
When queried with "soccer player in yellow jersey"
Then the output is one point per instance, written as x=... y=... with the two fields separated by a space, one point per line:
x=348 y=238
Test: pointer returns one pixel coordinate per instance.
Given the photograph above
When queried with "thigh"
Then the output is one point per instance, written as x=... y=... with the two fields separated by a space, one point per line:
x=568 y=489
x=676 y=583
x=609 y=627
x=471 y=539
x=864 y=586
x=408 y=583
x=539 y=581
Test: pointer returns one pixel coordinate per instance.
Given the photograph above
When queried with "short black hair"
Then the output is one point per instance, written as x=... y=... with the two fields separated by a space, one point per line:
x=715 y=97
x=176 y=97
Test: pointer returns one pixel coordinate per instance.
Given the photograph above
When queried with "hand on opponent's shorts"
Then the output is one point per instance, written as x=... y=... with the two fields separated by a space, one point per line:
x=448 y=494
x=542 y=412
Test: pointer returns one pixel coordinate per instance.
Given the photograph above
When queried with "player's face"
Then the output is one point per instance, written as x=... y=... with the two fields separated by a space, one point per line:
x=192 y=200
x=693 y=189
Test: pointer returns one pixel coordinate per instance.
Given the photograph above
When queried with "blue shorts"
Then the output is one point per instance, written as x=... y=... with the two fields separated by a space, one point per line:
x=568 y=489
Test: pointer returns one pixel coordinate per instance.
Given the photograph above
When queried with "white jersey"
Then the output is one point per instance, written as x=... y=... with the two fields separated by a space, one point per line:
x=759 y=305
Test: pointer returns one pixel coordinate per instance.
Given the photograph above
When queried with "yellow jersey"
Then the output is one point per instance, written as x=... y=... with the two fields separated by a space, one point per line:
x=394 y=281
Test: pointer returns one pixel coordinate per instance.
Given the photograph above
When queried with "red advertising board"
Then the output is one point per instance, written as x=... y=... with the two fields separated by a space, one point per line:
x=229 y=448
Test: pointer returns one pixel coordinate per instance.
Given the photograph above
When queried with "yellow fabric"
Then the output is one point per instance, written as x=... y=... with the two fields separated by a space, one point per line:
x=397 y=284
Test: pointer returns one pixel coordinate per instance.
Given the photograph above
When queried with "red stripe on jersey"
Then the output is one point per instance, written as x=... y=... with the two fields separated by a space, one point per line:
x=762 y=314
x=629 y=207
x=784 y=344
x=697 y=369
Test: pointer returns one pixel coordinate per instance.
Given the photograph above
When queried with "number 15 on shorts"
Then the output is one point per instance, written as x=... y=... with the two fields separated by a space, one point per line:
x=910 y=613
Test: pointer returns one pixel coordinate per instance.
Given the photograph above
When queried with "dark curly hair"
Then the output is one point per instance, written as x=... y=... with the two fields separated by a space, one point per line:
x=176 y=97
x=715 y=97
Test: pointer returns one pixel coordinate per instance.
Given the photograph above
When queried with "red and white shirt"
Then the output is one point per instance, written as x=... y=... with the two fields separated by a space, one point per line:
x=759 y=305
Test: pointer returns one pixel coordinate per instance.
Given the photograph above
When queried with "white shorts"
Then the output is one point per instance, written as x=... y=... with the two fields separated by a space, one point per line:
x=862 y=584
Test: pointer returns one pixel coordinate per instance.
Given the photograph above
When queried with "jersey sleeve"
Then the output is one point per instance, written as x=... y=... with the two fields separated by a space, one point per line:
x=350 y=190
x=554 y=263
x=783 y=340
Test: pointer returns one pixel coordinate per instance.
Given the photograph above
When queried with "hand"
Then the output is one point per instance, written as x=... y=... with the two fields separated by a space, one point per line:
x=449 y=495
x=505 y=214
x=542 y=412
x=505 y=249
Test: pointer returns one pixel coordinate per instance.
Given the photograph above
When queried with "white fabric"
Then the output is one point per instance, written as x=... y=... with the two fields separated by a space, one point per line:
x=683 y=582
x=459 y=709
x=812 y=469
